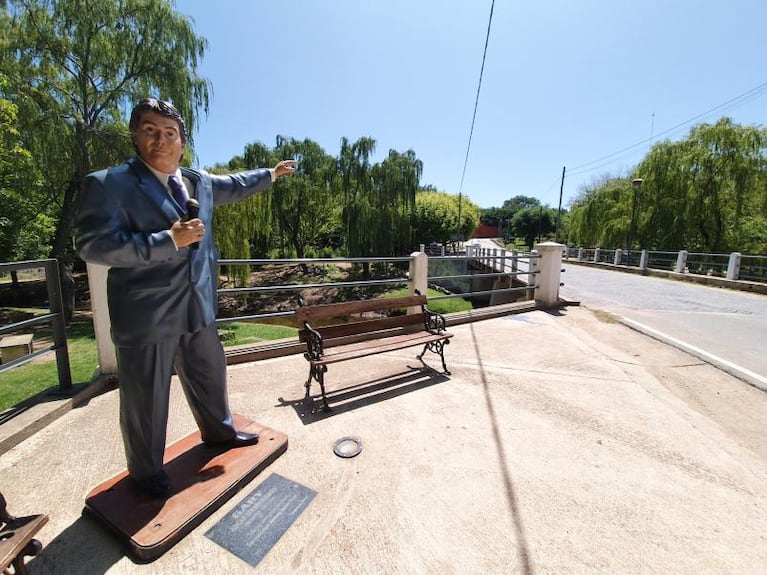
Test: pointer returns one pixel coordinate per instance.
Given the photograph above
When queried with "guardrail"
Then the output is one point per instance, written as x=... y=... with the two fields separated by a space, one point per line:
x=399 y=271
x=397 y=267
x=411 y=271
x=55 y=317
x=506 y=268
x=731 y=266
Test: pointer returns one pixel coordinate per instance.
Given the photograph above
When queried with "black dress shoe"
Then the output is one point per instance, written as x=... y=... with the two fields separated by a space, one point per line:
x=243 y=439
x=157 y=485
x=240 y=439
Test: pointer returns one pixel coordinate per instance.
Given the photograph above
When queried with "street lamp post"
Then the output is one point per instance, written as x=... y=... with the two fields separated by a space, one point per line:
x=636 y=183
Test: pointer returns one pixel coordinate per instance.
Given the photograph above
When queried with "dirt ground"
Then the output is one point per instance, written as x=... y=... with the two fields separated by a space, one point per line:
x=738 y=408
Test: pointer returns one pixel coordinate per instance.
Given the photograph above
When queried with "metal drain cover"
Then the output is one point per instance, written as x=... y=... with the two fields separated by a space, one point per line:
x=348 y=446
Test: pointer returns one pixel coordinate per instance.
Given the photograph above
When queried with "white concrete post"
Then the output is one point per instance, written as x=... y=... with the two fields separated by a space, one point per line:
x=549 y=276
x=419 y=273
x=733 y=266
x=421 y=248
x=596 y=255
x=617 y=258
x=514 y=261
x=681 y=261
x=102 y=324
x=643 y=259
x=580 y=254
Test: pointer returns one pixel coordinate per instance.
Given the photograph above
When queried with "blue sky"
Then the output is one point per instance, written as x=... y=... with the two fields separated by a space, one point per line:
x=582 y=84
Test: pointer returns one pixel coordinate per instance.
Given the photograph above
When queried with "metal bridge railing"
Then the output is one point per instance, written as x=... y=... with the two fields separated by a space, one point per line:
x=505 y=265
x=391 y=265
x=731 y=266
x=54 y=317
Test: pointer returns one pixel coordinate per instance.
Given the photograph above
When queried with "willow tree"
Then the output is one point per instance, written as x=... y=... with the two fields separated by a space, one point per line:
x=307 y=213
x=243 y=229
x=359 y=218
x=601 y=215
x=707 y=192
x=379 y=199
x=76 y=67
x=395 y=182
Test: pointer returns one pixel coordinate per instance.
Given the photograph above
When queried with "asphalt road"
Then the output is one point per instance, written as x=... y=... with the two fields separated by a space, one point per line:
x=727 y=324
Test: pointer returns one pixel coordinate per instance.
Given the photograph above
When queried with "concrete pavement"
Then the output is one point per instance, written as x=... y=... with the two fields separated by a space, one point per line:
x=563 y=442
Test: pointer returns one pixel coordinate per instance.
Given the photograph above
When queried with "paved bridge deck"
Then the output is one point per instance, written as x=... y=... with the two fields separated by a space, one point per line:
x=562 y=443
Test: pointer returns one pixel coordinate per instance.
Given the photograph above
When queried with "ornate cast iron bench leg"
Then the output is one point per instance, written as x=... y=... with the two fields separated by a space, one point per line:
x=318 y=374
x=437 y=347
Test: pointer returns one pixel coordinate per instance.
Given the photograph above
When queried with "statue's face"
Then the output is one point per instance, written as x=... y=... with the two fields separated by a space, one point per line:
x=159 y=143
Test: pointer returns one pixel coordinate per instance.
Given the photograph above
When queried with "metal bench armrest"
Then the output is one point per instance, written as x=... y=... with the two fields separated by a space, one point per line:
x=433 y=322
x=314 y=347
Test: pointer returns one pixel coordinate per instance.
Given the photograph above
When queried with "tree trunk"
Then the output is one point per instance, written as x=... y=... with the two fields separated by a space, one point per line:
x=62 y=249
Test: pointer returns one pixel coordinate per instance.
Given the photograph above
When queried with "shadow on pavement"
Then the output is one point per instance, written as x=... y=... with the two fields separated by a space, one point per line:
x=83 y=548
x=360 y=395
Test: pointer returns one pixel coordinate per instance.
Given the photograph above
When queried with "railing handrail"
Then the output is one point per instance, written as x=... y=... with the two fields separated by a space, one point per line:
x=55 y=316
x=687 y=262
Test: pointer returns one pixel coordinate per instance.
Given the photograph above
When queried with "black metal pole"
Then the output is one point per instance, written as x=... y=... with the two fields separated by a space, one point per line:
x=56 y=305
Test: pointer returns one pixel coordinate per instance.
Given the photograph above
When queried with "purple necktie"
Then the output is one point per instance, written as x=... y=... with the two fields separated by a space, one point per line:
x=179 y=191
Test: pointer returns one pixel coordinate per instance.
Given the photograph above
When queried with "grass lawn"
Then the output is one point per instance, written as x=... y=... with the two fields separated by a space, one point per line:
x=21 y=383
x=451 y=305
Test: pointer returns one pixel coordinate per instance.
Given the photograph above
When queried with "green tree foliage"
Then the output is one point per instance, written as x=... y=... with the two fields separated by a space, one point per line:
x=502 y=217
x=306 y=210
x=242 y=230
x=436 y=217
x=513 y=205
x=704 y=193
x=76 y=67
x=328 y=204
x=395 y=182
x=534 y=223
x=601 y=215
x=26 y=228
x=378 y=199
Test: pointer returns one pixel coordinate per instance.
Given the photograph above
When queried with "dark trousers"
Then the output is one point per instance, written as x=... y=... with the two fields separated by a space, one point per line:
x=144 y=374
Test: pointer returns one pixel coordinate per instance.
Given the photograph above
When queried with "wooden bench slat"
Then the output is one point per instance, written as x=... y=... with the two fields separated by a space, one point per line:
x=15 y=535
x=314 y=312
x=331 y=332
x=372 y=347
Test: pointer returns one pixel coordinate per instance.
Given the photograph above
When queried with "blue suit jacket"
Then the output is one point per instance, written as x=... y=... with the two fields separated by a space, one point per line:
x=155 y=291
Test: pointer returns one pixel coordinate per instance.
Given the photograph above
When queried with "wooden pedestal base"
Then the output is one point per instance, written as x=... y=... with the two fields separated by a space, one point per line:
x=203 y=479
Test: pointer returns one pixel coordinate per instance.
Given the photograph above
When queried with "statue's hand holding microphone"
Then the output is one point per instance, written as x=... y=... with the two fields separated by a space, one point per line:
x=189 y=230
x=192 y=213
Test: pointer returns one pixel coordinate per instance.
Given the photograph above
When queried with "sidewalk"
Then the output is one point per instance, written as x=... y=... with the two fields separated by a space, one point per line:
x=563 y=442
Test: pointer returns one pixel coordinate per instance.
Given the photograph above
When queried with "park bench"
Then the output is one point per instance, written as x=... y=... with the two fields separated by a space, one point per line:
x=16 y=539
x=332 y=334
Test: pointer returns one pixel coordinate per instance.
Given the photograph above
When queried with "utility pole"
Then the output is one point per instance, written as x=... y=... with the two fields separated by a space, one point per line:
x=636 y=183
x=559 y=210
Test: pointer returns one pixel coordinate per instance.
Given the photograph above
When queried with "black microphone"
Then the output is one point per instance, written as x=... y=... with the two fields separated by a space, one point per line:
x=192 y=212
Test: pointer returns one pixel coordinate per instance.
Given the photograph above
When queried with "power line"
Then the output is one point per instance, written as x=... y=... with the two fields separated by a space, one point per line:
x=737 y=101
x=474 y=116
